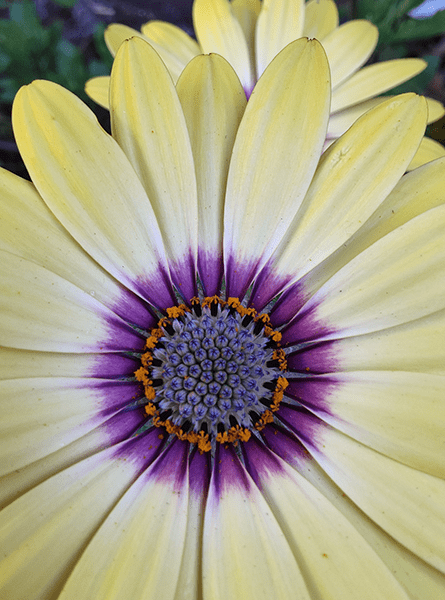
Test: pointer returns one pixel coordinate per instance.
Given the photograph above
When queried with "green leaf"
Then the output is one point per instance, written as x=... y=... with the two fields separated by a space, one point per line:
x=415 y=29
x=65 y=3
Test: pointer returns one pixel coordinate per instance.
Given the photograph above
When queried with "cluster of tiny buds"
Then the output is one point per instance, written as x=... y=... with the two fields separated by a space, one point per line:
x=212 y=372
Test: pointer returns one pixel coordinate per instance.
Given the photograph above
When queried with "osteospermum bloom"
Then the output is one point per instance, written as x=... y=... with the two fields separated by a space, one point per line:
x=222 y=358
x=250 y=33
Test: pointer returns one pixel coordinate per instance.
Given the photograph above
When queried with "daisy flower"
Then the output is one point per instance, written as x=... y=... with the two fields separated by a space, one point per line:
x=222 y=357
x=249 y=33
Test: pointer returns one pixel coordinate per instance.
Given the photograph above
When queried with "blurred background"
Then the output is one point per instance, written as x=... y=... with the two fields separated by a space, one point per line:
x=62 y=40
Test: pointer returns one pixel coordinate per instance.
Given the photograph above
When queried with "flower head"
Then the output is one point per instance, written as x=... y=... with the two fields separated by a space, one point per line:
x=250 y=33
x=222 y=357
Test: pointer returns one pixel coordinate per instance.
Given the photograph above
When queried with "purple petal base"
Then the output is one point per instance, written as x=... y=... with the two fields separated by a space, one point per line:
x=210 y=267
x=288 y=305
x=115 y=395
x=301 y=422
x=239 y=277
x=141 y=450
x=171 y=466
x=199 y=474
x=183 y=274
x=306 y=327
x=266 y=286
x=121 y=337
x=157 y=290
x=110 y=366
x=286 y=446
x=228 y=472
x=320 y=358
x=313 y=393
x=133 y=309
x=259 y=460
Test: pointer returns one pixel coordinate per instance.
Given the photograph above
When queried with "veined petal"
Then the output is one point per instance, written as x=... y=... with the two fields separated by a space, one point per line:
x=44 y=531
x=428 y=151
x=219 y=31
x=416 y=346
x=98 y=89
x=279 y=23
x=137 y=551
x=420 y=580
x=173 y=44
x=42 y=311
x=321 y=17
x=399 y=414
x=337 y=563
x=398 y=279
x=286 y=116
x=374 y=80
x=246 y=13
x=148 y=123
x=213 y=101
x=244 y=541
x=348 y=47
x=89 y=184
x=190 y=577
x=415 y=193
x=15 y=364
x=116 y=33
x=404 y=502
x=29 y=230
x=52 y=412
x=378 y=147
x=121 y=426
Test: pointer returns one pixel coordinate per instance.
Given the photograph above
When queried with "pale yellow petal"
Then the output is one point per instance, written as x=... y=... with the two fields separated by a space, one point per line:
x=279 y=23
x=374 y=80
x=174 y=46
x=97 y=89
x=281 y=121
x=213 y=102
x=428 y=150
x=348 y=47
x=219 y=31
x=148 y=123
x=321 y=17
x=378 y=148
x=116 y=33
x=89 y=184
x=246 y=13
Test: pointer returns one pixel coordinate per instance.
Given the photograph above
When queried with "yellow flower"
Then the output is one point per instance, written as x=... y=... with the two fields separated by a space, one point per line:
x=250 y=33
x=222 y=358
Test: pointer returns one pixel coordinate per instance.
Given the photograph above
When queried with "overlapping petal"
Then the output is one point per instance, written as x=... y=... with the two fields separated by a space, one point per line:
x=321 y=17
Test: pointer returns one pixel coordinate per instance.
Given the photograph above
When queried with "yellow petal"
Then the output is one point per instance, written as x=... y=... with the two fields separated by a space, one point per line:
x=89 y=184
x=148 y=123
x=218 y=30
x=116 y=33
x=285 y=117
x=374 y=80
x=428 y=150
x=321 y=17
x=279 y=23
x=348 y=47
x=97 y=89
x=246 y=13
x=213 y=102
x=174 y=46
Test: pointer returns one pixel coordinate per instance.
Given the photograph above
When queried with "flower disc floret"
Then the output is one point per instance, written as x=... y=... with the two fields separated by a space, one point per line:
x=212 y=372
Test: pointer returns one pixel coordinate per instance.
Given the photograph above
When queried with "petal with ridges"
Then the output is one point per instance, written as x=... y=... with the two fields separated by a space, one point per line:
x=321 y=17
x=52 y=412
x=213 y=102
x=174 y=45
x=244 y=541
x=41 y=311
x=44 y=532
x=348 y=47
x=338 y=201
x=399 y=414
x=89 y=184
x=148 y=123
x=416 y=346
x=398 y=279
x=374 y=80
x=218 y=30
x=29 y=230
x=428 y=150
x=279 y=23
x=97 y=88
x=116 y=33
x=404 y=502
x=285 y=116
x=137 y=551
x=420 y=580
x=336 y=561
x=246 y=13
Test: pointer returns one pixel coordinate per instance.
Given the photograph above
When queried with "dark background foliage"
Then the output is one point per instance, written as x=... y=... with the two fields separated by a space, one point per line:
x=62 y=40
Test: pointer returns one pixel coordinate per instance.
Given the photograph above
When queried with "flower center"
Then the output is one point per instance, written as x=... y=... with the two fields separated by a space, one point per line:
x=213 y=372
